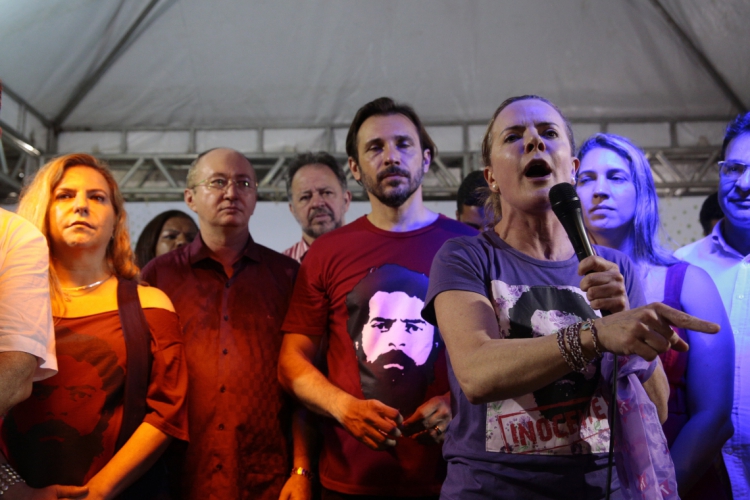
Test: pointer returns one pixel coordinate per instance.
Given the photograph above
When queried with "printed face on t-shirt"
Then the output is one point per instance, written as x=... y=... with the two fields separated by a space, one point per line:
x=396 y=324
x=394 y=345
x=565 y=417
x=70 y=402
x=67 y=414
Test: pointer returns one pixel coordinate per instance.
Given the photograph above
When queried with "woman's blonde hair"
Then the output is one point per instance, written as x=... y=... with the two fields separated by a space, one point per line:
x=35 y=202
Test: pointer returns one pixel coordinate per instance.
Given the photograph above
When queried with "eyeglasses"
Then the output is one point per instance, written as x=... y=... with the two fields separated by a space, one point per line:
x=220 y=184
x=732 y=170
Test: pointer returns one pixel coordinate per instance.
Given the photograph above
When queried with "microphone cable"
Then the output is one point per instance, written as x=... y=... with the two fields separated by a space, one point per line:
x=567 y=207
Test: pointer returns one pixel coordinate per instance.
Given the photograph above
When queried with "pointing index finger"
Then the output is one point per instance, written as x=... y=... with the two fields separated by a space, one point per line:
x=684 y=320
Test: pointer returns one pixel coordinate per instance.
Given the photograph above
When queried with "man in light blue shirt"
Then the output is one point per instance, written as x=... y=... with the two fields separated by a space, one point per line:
x=725 y=255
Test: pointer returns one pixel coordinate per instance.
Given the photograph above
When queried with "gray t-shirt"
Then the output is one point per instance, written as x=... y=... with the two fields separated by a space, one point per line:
x=551 y=443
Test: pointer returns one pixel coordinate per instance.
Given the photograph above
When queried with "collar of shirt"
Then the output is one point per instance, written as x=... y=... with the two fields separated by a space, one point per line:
x=198 y=250
x=717 y=237
x=300 y=249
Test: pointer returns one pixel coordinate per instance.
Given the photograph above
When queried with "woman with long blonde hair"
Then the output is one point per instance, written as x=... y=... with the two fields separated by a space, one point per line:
x=119 y=397
x=621 y=209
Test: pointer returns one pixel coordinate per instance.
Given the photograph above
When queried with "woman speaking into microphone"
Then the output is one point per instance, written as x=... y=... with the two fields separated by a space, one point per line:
x=529 y=351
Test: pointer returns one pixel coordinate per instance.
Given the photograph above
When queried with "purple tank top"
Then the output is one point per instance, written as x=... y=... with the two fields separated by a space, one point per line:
x=675 y=363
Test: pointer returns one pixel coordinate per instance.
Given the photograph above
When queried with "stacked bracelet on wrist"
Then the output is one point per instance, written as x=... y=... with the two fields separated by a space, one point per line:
x=589 y=325
x=569 y=343
x=8 y=477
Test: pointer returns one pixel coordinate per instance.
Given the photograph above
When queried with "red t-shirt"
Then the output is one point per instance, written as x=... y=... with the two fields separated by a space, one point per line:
x=66 y=431
x=367 y=287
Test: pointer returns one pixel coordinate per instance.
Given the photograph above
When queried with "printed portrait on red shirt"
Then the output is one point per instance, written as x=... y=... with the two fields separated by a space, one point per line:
x=396 y=348
x=68 y=414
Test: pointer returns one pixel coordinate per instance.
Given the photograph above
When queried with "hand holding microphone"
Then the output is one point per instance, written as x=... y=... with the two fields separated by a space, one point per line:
x=602 y=282
x=644 y=331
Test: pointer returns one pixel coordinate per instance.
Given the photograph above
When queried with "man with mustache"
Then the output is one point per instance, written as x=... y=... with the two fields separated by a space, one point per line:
x=725 y=255
x=396 y=348
x=318 y=198
x=374 y=448
x=231 y=295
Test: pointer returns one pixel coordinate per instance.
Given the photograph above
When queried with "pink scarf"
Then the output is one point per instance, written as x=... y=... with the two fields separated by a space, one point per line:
x=642 y=457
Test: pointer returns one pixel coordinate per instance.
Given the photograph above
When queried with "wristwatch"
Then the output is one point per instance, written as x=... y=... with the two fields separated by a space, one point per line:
x=300 y=471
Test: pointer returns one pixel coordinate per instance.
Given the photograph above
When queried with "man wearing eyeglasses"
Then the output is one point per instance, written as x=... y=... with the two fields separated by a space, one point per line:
x=725 y=255
x=231 y=295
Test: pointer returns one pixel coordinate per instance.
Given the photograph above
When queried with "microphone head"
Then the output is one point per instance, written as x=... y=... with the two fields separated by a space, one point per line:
x=564 y=199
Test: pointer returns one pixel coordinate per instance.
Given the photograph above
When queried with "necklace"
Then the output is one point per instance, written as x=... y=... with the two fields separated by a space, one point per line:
x=86 y=287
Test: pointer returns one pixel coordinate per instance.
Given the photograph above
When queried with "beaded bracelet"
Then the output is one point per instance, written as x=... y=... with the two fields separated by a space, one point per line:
x=590 y=325
x=8 y=477
x=573 y=336
x=571 y=349
x=563 y=350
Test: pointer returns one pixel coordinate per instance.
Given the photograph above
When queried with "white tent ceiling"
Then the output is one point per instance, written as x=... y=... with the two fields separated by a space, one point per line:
x=147 y=84
x=236 y=63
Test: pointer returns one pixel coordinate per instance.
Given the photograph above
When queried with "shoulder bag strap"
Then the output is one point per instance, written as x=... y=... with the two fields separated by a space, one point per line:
x=138 y=365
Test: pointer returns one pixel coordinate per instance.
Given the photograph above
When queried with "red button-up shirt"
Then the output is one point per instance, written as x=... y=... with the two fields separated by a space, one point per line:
x=238 y=414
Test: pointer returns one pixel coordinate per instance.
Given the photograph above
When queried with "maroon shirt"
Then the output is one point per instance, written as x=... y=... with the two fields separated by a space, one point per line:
x=238 y=413
x=65 y=433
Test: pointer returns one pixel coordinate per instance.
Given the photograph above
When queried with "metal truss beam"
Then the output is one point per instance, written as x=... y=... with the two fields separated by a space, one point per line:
x=677 y=171
x=3 y=160
x=28 y=107
x=19 y=141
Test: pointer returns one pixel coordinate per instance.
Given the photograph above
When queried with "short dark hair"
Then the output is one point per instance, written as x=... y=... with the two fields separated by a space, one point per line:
x=386 y=106
x=310 y=158
x=145 y=249
x=472 y=192
x=710 y=210
x=740 y=125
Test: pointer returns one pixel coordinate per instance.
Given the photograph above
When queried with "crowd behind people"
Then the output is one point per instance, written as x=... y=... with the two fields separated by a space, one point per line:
x=404 y=354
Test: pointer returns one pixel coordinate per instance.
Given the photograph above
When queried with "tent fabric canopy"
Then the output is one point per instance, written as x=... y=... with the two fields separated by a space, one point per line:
x=285 y=63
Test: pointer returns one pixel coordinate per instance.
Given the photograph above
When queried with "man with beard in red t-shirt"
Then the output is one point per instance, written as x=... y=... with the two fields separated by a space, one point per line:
x=363 y=286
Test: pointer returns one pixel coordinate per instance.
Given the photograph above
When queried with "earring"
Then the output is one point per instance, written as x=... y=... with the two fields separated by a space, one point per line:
x=494 y=187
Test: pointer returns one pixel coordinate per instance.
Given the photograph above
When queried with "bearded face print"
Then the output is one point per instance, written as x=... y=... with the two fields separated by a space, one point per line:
x=395 y=347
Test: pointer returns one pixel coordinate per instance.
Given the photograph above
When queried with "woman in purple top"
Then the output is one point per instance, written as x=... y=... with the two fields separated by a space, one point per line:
x=514 y=308
x=621 y=210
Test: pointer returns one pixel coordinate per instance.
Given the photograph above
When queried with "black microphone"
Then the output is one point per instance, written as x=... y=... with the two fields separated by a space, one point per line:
x=567 y=208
